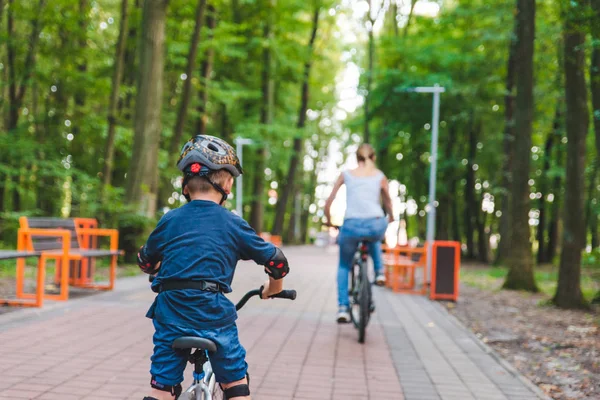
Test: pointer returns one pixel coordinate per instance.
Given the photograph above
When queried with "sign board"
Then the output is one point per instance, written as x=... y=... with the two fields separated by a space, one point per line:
x=445 y=271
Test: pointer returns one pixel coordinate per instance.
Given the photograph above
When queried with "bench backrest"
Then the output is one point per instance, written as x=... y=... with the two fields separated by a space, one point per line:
x=44 y=243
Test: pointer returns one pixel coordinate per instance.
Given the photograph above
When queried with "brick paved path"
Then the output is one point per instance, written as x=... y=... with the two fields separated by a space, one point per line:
x=99 y=347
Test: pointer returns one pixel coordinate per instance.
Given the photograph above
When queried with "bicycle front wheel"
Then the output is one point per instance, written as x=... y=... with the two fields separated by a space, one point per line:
x=215 y=390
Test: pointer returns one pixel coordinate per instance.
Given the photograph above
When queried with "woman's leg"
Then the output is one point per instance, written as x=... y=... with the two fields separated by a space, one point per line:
x=347 y=249
x=375 y=251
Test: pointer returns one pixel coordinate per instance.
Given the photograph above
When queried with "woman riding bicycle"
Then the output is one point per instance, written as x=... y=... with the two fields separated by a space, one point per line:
x=366 y=187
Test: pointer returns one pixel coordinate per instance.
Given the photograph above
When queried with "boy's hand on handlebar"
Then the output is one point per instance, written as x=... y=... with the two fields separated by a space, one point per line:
x=269 y=289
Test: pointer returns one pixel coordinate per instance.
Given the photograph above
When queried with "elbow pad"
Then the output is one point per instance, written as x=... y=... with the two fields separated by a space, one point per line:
x=277 y=267
x=146 y=264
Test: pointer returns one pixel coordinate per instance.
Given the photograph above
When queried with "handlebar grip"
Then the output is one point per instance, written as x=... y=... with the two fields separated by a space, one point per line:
x=286 y=294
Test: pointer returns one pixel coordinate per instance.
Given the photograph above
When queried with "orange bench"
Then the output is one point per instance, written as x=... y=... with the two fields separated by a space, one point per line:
x=72 y=244
x=38 y=296
x=401 y=264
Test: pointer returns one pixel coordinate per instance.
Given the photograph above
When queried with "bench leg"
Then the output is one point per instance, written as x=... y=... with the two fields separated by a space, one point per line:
x=20 y=290
x=64 y=279
x=395 y=278
x=41 y=281
x=113 y=272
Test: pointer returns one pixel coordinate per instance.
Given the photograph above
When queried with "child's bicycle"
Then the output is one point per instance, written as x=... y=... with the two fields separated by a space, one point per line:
x=205 y=386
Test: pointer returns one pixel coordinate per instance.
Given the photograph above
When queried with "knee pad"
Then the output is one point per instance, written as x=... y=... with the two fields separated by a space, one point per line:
x=237 y=391
x=175 y=390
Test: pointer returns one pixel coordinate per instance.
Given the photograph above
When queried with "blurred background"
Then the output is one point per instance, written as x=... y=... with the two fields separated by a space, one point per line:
x=98 y=96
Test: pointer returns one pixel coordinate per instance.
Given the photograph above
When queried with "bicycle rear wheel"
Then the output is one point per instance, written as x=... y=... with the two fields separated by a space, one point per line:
x=361 y=299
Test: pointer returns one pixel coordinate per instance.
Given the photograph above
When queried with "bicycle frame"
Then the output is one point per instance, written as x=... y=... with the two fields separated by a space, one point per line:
x=205 y=381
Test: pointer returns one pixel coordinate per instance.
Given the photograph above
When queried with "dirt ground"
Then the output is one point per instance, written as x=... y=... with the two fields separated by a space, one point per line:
x=558 y=350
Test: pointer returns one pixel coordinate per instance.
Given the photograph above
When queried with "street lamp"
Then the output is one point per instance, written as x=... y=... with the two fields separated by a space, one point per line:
x=436 y=90
x=239 y=143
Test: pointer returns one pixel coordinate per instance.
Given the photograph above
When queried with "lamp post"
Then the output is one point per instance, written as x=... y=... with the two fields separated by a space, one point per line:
x=436 y=90
x=239 y=144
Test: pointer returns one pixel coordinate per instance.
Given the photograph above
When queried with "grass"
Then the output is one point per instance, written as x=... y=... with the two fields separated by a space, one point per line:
x=546 y=277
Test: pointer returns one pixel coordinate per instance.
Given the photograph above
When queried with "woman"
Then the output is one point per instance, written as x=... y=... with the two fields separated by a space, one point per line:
x=366 y=187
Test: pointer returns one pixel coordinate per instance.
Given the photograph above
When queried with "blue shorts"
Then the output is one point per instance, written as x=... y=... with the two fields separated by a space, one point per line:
x=168 y=364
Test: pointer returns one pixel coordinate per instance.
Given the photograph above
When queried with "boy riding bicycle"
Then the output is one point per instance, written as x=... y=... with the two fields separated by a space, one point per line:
x=193 y=251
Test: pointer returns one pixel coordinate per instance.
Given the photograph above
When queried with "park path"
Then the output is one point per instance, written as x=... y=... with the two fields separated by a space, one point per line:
x=98 y=347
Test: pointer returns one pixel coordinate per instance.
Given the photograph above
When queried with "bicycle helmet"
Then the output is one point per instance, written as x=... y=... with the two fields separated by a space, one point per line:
x=210 y=151
x=203 y=154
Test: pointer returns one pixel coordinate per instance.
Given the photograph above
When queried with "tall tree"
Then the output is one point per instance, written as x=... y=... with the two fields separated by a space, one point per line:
x=266 y=118
x=109 y=151
x=551 y=143
x=142 y=178
x=508 y=138
x=470 y=203
x=16 y=89
x=290 y=181
x=370 y=23
x=520 y=259
x=205 y=72
x=595 y=81
x=187 y=83
x=568 y=292
x=411 y=12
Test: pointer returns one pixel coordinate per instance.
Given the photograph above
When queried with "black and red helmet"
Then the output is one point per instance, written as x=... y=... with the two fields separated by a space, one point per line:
x=210 y=152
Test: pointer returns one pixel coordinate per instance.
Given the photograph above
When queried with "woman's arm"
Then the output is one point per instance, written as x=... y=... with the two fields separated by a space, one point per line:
x=387 y=200
x=338 y=184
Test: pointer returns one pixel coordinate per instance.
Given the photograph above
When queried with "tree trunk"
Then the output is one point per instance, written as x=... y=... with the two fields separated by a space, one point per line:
x=80 y=92
x=591 y=216
x=268 y=86
x=109 y=151
x=520 y=261
x=509 y=123
x=371 y=50
x=541 y=229
x=205 y=71
x=142 y=178
x=290 y=181
x=129 y=60
x=470 y=203
x=187 y=83
x=553 y=236
x=482 y=237
x=394 y=21
x=595 y=89
x=13 y=107
x=17 y=91
x=568 y=292
x=595 y=70
x=410 y=15
x=447 y=174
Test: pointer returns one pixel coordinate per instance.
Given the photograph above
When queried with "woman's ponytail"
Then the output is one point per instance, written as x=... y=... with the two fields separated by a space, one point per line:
x=366 y=154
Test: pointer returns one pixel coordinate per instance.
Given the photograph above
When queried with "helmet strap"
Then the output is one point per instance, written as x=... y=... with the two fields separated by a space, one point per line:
x=219 y=189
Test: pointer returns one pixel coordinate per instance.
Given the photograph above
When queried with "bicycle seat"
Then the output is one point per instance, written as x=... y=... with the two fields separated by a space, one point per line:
x=194 y=342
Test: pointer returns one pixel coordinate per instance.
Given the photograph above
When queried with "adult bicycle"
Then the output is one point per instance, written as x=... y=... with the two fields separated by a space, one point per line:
x=360 y=290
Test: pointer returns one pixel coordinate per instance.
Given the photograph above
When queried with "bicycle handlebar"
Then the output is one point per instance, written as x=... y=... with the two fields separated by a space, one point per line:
x=284 y=294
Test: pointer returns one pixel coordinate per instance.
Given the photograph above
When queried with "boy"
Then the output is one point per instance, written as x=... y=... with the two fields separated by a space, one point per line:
x=194 y=250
